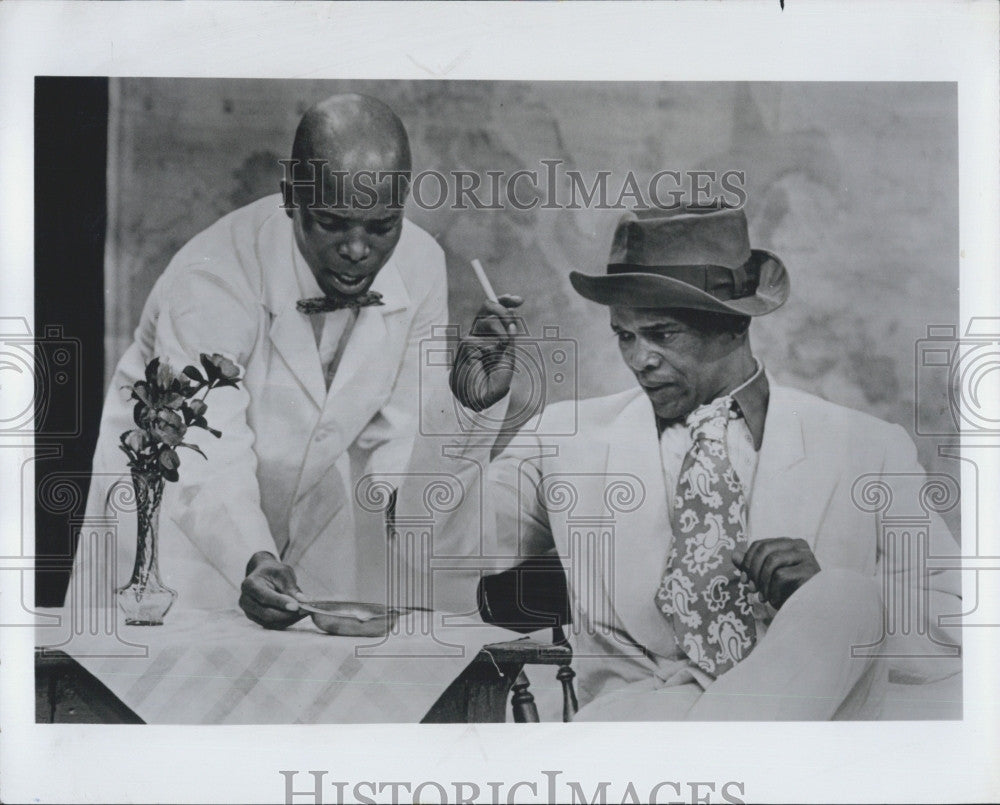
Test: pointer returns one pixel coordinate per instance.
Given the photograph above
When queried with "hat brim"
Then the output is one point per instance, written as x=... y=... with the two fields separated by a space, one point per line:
x=653 y=291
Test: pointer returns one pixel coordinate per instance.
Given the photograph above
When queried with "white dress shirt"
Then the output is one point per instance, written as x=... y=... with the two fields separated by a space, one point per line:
x=675 y=441
x=332 y=330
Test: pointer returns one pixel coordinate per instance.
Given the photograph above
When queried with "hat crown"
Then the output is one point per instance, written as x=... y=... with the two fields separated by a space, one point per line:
x=650 y=238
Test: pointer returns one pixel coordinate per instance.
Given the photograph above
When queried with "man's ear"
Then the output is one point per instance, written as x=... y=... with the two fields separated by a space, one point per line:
x=287 y=198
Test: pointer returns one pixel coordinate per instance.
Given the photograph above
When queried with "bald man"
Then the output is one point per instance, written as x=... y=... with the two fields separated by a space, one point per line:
x=321 y=296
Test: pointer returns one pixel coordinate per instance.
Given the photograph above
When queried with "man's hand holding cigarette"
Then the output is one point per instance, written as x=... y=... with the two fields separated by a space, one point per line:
x=484 y=360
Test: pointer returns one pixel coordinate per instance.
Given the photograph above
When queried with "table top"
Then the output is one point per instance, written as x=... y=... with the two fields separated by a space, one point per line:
x=217 y=667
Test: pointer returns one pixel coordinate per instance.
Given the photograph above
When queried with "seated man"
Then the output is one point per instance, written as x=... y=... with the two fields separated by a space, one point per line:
x=321 y=296
x=726 y=572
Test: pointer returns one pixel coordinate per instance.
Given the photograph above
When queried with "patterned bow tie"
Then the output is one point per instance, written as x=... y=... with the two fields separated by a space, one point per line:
x=701 y=592
x=327 y=304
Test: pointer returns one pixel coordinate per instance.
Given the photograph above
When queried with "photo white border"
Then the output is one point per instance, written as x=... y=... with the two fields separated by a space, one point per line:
x=816 y=41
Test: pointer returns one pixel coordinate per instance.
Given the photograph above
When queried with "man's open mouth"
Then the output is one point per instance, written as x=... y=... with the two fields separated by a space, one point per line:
x=348 y=280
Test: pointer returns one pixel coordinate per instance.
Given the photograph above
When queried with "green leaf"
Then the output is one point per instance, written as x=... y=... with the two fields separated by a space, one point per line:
x=173 y=399
x=151 y=369
x=195 y=448
x=137 y=440
x=142 y=391
x=169 y=459
x=211 y=370
x=138 y=412
x=194 y=374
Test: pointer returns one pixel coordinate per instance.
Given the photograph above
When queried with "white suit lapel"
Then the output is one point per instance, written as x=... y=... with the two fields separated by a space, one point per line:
x=642 y=535
x=359 y=387
x=791 y=488
x=366 y=346
x=290 y=332
x=789 y=498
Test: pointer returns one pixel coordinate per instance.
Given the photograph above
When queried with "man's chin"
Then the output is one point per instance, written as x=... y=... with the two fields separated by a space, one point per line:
x=671 y=410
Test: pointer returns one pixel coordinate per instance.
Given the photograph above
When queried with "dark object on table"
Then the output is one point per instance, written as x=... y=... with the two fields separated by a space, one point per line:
x=528 y=597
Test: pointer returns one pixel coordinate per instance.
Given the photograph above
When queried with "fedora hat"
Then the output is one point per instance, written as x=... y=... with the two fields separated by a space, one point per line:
x=697 y=260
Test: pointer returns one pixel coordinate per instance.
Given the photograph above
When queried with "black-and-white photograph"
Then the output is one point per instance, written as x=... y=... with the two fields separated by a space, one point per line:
x=388 y=362
x=427 y=401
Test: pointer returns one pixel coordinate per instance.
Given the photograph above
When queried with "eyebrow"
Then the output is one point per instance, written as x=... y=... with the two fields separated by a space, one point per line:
x=650 y=328
x=330 y=215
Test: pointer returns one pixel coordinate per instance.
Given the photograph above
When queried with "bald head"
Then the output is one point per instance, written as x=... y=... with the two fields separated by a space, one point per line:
x=353 y=133
x=348 y=217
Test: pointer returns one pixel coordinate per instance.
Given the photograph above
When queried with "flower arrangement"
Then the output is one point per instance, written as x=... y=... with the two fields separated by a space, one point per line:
x=166 y=406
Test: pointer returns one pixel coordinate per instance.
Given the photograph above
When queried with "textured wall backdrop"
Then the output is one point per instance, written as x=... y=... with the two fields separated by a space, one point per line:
x=853 y=185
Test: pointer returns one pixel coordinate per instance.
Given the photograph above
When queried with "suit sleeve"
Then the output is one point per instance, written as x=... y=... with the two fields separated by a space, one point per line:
x=484 y=516
x=216 y=503
x=520 y=521
x=920 y=657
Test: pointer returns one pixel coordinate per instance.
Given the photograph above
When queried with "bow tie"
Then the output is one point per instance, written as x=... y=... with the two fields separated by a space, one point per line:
x=327 y=304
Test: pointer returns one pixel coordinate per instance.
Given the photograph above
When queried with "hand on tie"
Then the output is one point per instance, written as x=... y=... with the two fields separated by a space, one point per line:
x=777 y=567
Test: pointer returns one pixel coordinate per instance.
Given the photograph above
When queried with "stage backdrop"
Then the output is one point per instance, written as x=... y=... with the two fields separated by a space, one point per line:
x=853 y=185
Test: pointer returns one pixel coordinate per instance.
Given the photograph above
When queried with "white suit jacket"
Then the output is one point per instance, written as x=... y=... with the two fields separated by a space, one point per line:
x=598 y=499
x=283 y=475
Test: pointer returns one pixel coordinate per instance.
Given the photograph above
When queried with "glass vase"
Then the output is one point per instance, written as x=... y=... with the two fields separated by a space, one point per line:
x=146 y=599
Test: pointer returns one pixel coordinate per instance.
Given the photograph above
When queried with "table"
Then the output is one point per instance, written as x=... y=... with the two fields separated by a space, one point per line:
x=216 y=667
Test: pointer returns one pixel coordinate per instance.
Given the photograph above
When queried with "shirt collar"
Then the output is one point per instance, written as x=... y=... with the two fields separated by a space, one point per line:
x=751 y=398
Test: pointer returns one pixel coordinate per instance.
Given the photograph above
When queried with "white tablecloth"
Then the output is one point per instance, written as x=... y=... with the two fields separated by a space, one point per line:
x=216 y=667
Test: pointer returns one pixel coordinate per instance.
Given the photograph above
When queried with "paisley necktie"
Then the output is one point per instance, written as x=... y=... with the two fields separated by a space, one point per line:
x=701 y=592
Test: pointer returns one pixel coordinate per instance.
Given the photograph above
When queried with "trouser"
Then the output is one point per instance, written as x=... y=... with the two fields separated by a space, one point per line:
x=801 y=669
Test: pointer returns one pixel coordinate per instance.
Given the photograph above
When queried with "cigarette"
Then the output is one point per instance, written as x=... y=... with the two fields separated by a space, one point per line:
x=484 y=280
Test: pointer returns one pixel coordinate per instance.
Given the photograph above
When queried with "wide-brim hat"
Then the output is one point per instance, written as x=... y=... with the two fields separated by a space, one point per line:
x=699 y=260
